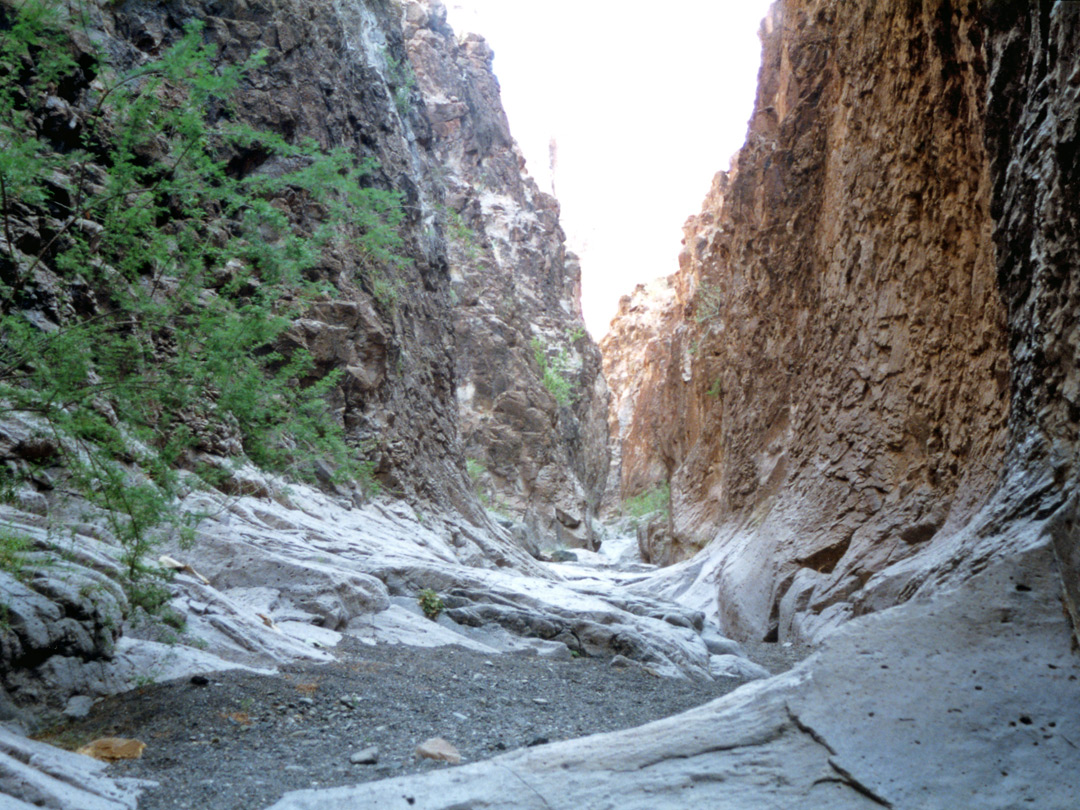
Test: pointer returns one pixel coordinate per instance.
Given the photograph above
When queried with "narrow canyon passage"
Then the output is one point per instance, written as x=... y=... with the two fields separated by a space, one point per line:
x=315 y=492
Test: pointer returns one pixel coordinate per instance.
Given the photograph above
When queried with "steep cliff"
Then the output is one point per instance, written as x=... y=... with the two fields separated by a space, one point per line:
x=532 y=399
x=410 y=338
x=1033 y=139
x=837 y=368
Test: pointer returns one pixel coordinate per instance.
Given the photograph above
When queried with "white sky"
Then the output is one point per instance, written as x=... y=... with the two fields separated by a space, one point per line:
x=646 y=102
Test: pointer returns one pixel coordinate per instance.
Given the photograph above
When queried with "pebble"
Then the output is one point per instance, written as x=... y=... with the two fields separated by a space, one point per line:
x=438 y=749
x=366 y=756
x=398 y=697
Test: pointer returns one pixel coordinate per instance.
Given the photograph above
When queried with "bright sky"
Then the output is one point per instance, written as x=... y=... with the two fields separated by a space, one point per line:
x=646 y=102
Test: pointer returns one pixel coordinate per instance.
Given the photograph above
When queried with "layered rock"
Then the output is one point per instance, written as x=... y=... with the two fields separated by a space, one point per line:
x=835 y=368
x=531 y=396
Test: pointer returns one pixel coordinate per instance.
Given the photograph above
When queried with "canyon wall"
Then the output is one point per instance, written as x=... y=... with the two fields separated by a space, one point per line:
x=483 y=268
x=1033 y=137
x=432 y=350
x=832 y=391
x=536 y=436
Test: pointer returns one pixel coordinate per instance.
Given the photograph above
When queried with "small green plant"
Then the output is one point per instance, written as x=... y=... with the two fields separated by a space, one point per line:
x=475 y=469
x=400 y=76
x=461 y=233
x=13 y=550
x=708 y=302
x=555 y=373
x=196 y=267
x=714 y=389
x=8 y=484
x=576 y=334
x=656 y=500
x=430 y=603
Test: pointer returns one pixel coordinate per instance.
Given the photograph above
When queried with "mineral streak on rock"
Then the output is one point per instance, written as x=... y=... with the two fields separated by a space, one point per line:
x=828 y=387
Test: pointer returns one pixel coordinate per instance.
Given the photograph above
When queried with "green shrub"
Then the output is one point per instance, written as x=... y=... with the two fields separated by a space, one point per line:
x=196 y=270
x=656 y=500
x=555 y=374
x=400 y=76
x=13 y=550
x=475 y=469
x=430 y=603
x=708 y=302
x=461 y=233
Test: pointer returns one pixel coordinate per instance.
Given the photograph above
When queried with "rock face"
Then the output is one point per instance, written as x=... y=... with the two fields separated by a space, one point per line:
x=1033 y=134
x=636 y=350
x=830 y=388
x=532 y=399
x=846 y=729
x=438 y=340
x=976 y=621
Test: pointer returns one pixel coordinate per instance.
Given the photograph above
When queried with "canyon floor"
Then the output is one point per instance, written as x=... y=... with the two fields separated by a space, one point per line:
x=242 y=740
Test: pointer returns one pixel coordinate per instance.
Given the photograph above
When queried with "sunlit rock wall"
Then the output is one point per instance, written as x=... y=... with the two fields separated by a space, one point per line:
x=838 y=373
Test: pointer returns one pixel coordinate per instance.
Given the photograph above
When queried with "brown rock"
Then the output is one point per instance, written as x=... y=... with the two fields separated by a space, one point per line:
x=111 y=749
x=438 y=749
x=827 y=378
x=515 y=283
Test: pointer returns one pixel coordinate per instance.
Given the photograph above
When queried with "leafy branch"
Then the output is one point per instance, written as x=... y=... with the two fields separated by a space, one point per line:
x=195 y=270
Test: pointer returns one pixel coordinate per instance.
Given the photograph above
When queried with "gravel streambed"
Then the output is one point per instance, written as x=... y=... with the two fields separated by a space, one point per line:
x=239 y=741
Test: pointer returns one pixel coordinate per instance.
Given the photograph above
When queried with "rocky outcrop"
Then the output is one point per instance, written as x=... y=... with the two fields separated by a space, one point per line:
x=835 y=369
x=1033 y=137
x=384 y=326
x=531 y=396
x=449 y=324
x=851 y=727
x=636 y=350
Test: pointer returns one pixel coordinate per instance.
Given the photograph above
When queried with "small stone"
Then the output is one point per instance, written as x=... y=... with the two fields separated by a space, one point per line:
x=307 y=701
x=366 y=756
x=111 y=749
x=78 y=707
x=541 y=701
x=539 y=741
x=622 y=662
x=732 y=666
x=200 y=680
x=460 y=716
x=438 y=749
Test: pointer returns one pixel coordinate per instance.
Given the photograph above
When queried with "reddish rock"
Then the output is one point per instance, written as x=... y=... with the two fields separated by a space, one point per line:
x=827 y=380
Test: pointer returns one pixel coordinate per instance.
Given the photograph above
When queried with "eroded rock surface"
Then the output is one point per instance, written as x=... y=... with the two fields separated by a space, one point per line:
x=829 y=388
x=538 y=441
x=845 y=729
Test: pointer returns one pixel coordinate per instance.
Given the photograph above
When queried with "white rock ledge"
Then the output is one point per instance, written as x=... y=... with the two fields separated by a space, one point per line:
x=954 y=701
